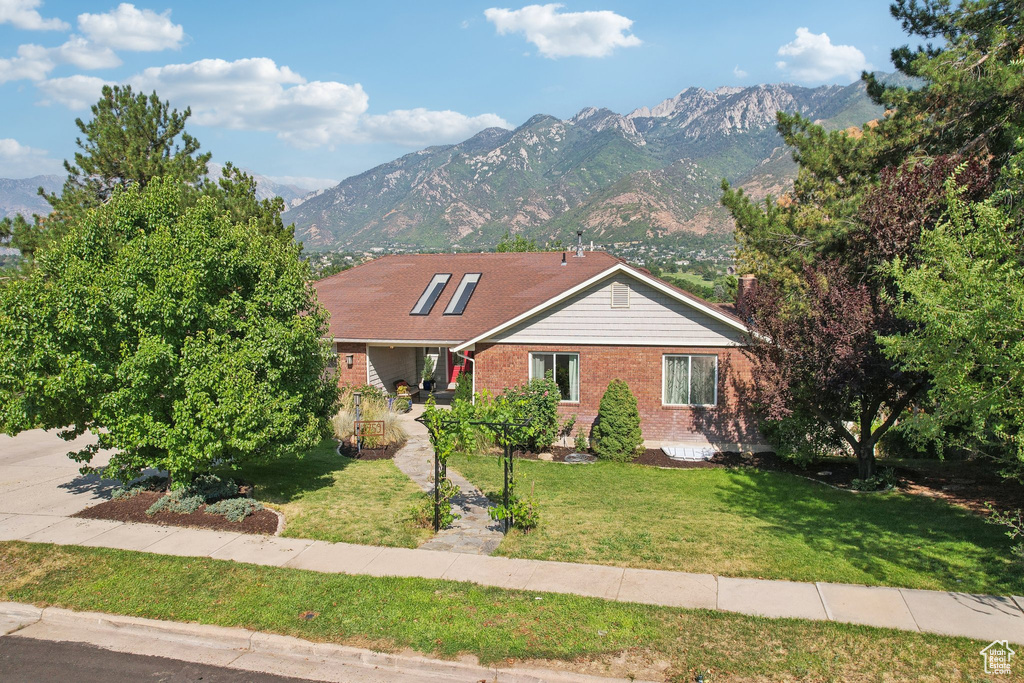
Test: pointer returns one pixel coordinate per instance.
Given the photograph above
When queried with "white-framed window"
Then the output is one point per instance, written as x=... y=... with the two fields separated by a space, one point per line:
x=564 y=368
x=689 y=380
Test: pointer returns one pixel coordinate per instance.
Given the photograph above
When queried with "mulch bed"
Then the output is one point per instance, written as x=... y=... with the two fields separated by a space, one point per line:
x=134 y=510
x=386 y=453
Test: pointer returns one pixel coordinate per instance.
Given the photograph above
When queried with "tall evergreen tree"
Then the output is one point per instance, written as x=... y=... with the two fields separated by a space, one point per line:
x=133 y=139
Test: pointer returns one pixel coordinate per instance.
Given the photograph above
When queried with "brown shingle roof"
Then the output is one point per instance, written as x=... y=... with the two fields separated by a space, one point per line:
x=373 y=301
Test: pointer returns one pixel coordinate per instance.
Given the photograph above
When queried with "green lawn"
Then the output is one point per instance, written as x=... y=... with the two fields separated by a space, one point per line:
x=450 y=619
x=751 y=524
x=329 y=497
x=692 y=278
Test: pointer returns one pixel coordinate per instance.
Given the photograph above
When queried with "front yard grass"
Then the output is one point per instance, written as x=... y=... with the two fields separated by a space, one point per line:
x=747 y=523
x=329 y=497
x=450 y=619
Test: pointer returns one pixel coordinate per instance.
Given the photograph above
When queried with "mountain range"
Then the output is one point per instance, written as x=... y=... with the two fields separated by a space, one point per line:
x=20 y=195
x=652 y=174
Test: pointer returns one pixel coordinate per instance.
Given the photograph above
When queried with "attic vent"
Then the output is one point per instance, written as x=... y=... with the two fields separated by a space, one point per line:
x=620 y=295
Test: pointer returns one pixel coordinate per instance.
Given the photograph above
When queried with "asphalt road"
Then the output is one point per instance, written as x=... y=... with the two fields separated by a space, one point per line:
x=25 y=660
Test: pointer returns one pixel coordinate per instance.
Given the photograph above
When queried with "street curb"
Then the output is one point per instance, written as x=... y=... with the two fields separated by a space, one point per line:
x=15 y=616
x=285 y=651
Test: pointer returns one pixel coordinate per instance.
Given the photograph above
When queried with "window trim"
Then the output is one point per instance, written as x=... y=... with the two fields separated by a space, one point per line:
x=447 y=278
x=463 y=284
x=554 y=363
x=689 y=376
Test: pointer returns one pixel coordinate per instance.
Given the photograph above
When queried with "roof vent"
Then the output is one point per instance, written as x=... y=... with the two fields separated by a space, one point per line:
x=620 y=295
x=579 y=244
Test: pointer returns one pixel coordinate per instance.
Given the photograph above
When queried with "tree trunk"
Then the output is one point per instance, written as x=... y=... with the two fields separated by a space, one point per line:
x=866 y=458
x=866 y=443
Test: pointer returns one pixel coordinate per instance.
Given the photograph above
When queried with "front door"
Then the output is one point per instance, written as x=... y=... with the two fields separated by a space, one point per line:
x=456 y=366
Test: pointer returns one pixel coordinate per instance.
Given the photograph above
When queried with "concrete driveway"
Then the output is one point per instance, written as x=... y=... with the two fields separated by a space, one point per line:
x=37 y=477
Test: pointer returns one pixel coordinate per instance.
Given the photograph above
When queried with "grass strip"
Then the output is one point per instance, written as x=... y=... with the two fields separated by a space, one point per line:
x=448 y=619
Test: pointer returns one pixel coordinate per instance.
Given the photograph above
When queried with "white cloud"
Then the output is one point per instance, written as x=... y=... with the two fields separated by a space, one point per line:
x=21 y=161
x=85 y=55
x=813 y=57
x=565 y=34
x=257 y=94
x=422 y=126
x=23 y=14
x=251 y=94
x=738 y=72
x=35 y=62
x=74 y=92
x=128 y=28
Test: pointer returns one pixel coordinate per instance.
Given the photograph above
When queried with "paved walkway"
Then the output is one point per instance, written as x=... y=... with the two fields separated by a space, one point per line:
x=38 y=492
x=474 y=532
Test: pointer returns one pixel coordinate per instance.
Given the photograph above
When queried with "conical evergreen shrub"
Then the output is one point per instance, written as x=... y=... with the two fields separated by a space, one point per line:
x=616 y=434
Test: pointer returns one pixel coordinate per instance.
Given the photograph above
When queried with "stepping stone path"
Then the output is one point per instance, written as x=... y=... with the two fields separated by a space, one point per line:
x=474 y=532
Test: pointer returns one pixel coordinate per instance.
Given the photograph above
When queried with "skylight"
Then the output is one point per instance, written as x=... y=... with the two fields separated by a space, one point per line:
x=430 y=294
x=461 y=297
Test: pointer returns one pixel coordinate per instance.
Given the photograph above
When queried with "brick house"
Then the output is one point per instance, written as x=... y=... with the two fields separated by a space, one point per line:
x=586 y=318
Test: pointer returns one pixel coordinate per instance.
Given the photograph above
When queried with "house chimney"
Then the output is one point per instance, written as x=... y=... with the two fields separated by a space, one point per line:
x=579 y=244
x=743 y=286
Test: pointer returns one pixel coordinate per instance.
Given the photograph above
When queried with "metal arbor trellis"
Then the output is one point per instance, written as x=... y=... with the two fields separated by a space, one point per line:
x=441 y=469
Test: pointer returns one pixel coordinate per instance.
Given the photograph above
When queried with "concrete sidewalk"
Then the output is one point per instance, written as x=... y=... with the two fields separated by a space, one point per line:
x=984 y=617
x=40 y=489
x=256 y=652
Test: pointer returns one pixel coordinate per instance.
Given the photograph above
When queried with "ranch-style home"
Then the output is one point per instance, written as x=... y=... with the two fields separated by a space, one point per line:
x=587 y=317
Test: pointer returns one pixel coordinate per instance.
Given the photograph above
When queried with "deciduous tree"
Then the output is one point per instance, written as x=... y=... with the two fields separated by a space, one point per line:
x=964 y=294
x=175 y=335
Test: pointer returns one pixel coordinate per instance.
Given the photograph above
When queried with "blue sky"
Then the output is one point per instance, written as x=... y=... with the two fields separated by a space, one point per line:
x=324 y=90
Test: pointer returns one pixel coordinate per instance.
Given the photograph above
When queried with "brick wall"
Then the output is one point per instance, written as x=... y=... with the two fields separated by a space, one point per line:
x=499 y=366
x=357 y=373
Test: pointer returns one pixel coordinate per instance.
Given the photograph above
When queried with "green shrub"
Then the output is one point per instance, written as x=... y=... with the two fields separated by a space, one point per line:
x=211 y=488
x=884 y=480
x=537 y=403
x=580 y=443
x=423 y=512
x=464 y=387
x=205 y=488
x=153 y=482
x=176 y=502
x=801 y=439
x=616 y=434
x=523 y=511
x=899 y=442
x=368 y=391
x=235 y=509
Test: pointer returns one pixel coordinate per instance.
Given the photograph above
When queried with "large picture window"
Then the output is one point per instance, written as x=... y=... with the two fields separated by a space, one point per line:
x=564 y=367
x=690 y=380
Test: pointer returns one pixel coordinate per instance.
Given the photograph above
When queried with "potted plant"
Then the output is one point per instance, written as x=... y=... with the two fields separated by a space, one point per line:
x=428 y=373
